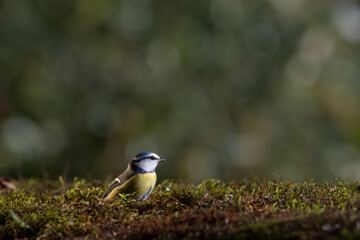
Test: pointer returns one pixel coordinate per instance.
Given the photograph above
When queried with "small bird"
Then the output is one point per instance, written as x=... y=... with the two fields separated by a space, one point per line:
x=139 y=178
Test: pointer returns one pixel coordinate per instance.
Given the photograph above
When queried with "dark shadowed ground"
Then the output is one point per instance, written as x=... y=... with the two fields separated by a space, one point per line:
x=256 y=209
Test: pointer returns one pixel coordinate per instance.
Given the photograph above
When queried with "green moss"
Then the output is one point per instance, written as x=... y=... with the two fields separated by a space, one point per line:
x=256 y=209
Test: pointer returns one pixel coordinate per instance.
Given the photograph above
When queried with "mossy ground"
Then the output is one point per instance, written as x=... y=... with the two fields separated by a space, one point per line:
x=256 y=209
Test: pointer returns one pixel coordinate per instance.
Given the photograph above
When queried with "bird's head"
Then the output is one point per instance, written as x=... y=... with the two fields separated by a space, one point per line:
x=145 y=162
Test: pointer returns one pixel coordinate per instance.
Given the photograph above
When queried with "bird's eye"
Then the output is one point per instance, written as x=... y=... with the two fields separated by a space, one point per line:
x=152 y=157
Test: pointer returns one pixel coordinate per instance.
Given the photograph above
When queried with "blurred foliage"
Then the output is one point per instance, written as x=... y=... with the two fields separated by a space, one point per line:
x=221 y=88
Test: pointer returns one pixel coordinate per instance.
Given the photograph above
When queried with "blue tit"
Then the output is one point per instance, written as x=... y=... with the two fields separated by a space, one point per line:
x=139 y=178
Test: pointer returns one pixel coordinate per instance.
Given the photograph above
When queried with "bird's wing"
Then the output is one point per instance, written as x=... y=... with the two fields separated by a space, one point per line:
x=120 y=180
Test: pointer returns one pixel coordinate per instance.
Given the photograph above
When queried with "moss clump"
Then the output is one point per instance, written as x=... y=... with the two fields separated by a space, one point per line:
x=257 y=209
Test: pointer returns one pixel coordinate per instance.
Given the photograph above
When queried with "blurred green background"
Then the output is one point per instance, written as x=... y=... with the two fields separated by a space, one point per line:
x=221 y=88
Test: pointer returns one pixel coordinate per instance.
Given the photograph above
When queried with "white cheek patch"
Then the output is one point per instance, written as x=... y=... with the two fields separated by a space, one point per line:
x=148 y=165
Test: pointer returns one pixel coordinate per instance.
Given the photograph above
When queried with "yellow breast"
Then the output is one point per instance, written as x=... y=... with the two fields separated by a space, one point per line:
x=141 y=185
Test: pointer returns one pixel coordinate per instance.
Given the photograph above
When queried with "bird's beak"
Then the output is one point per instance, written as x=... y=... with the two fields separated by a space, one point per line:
x=162 y=159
